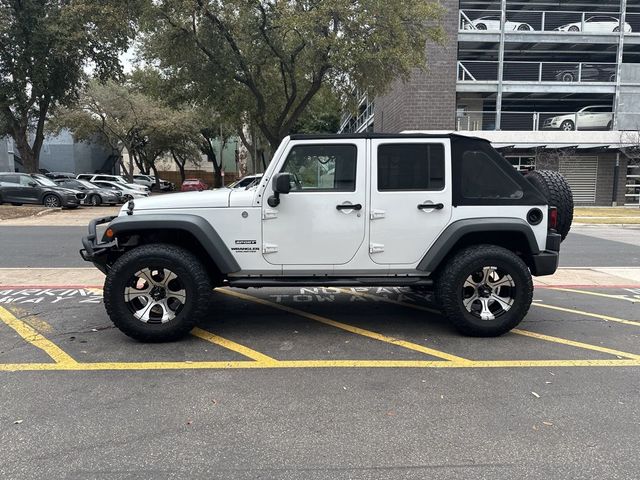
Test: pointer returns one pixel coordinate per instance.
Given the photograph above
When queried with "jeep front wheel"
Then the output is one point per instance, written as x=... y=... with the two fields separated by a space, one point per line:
x=157 y=293
x=485 y=290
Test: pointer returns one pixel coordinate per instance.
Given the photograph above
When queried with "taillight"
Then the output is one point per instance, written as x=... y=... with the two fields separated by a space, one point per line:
x=553 y=218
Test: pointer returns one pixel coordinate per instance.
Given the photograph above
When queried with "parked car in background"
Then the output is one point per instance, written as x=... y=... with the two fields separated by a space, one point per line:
x=492 y=22
x=595 y=117
x=94 y=195
x=596 y=24
x=140 y=179
x=111 y=178
x=165 y=185
x=246 y=182
x=20 y=188
x=588 y=73
x=193 y=184
x=55 y=175
x=150 y=181
x=125 y=192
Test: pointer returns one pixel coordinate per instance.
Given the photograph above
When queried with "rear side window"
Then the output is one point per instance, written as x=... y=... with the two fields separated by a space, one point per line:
x=411 y=166
x=9 y=178
x=483 y=179
x=322 y=167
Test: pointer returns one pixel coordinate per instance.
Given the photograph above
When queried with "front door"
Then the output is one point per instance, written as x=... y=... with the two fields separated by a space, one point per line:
x=322 y=220
x=410 y=198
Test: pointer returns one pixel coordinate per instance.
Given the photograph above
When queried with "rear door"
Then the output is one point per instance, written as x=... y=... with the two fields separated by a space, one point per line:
x=410 y=197
x=10 y=188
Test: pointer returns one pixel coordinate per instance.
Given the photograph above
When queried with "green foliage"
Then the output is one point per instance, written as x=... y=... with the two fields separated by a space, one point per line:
x=126 y=118
x=269 y=59
x=45 y=47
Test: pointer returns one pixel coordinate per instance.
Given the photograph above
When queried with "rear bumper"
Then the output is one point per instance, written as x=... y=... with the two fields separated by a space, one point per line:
x=94 y=251
x=546 y=262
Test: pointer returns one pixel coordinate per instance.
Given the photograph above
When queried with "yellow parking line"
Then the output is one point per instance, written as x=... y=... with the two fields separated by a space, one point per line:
x=31 y=336
x=231 y=345
x=596 y=294
x=102 y=366
x=588 y=314
x=348 y=328
x=573 y=343
x=548 y=338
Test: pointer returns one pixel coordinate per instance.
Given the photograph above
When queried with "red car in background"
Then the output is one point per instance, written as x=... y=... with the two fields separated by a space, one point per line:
x=193 y=184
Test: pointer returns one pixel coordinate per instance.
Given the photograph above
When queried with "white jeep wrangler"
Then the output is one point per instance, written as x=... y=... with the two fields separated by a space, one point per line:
x=424 y=210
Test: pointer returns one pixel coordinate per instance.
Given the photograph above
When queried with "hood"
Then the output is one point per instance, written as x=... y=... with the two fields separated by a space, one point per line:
x=204 y=199
x=65 y=190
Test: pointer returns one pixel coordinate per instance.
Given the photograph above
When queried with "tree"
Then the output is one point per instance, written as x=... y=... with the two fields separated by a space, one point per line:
x=45 y=46
x=269 y=59
x=124 y=117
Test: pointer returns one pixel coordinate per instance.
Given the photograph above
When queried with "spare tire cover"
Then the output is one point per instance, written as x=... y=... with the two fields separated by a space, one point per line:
x=558 y=193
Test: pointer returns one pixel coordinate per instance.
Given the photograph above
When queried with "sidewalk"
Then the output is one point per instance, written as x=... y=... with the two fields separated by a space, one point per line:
x=61 y=218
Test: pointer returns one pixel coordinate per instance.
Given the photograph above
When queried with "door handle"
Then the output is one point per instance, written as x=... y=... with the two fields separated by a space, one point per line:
x=357 y=206
x=433 y=206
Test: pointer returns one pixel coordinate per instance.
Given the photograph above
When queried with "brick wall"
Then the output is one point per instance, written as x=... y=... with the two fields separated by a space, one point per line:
x=427 y=101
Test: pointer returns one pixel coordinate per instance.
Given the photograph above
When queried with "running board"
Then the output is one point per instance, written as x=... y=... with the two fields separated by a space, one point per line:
x=329 y=282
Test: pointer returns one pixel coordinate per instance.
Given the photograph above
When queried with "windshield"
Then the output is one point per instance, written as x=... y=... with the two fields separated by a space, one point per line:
x=45 y=181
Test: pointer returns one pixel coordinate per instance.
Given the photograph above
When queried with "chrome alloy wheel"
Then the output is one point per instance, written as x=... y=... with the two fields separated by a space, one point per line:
x=488 y=293
x=155 y=295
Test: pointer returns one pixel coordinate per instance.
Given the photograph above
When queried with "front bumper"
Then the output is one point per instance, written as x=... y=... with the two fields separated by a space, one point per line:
x=94 y=251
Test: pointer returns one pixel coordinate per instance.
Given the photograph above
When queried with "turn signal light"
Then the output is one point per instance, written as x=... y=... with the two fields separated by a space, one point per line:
x=109 y=233
x=553 y=218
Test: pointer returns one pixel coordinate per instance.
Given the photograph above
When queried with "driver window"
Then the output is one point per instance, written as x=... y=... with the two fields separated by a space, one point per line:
x=25 y=181
x=322 y=168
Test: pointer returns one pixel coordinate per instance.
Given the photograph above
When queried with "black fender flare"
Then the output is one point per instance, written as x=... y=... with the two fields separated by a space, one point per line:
x=455 y=231
x=197 y=226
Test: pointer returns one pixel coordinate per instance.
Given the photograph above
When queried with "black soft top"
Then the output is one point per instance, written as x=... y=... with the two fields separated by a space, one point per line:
x=372 y=135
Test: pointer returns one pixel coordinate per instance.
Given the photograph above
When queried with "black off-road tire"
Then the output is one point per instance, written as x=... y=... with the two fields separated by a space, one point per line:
x=558 y=193
x=449 y=289
x=192 y=275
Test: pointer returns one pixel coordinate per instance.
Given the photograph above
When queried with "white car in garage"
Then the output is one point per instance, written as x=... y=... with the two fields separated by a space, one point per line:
x=492 y=22
x=595 y=117
x=597 y=24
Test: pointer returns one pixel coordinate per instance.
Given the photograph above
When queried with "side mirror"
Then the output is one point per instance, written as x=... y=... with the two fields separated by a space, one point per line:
x=281 y=183
x=33 y=184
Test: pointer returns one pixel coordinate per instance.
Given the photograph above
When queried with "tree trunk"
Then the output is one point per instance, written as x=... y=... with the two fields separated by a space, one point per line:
x=27 y=155
x=155 y=174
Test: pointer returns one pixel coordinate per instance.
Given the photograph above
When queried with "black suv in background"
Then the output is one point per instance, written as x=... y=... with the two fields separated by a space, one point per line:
x=19 y=188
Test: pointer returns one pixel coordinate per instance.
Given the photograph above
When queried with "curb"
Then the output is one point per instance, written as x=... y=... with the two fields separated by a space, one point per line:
x=607 y=225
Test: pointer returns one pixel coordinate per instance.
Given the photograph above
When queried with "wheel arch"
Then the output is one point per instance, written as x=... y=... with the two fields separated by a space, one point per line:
x=511 y=233
x=188 y=231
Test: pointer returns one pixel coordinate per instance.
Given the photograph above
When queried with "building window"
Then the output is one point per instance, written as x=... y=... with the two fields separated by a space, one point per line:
x=632 y=193
x=523 y=163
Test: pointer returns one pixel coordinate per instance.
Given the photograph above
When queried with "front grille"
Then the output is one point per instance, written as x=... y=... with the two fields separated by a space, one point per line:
x=80 y=196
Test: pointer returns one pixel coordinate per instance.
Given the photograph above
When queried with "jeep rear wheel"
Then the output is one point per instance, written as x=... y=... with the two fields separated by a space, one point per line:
x=485 y=290
x=157 y=293
x=558 y=193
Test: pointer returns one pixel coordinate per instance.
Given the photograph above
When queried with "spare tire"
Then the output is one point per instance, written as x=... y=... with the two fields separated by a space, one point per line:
x=558 y=193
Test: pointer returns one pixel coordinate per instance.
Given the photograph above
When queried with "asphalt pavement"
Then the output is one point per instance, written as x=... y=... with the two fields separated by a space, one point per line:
x=318 y=383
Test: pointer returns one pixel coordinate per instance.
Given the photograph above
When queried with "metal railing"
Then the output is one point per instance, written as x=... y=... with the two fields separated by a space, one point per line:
x=590 y=119
x=523 y=21
x=568 y=72
x=355 y=124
